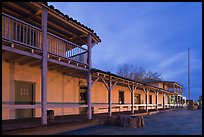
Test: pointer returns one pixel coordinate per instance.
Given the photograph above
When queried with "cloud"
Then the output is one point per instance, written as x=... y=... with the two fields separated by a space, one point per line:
x=173 y=60
x=152 y=35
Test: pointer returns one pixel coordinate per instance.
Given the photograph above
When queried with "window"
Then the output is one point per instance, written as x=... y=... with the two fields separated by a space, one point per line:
x=150 y=99
x=121 y=97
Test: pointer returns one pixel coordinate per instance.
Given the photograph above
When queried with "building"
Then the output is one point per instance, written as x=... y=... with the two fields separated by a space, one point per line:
x=46 y=64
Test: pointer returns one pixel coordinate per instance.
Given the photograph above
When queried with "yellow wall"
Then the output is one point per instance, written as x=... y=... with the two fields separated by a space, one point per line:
x=60 y=88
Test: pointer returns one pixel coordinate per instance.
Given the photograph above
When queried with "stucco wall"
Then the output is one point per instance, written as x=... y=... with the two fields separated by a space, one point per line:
x=61 y=88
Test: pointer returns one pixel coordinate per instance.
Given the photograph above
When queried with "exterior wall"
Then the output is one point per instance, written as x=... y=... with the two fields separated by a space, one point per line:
x=59 y=88
x=63 y=89
x=160 y=99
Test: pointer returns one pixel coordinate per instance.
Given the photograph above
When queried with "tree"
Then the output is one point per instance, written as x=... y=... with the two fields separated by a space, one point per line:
x=138 y=74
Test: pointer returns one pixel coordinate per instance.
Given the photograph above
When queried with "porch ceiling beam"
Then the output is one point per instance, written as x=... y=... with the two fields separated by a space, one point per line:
x=18 y=51
x=64 y=69
x=66 y=64
x=36 y=63
x=61 y=29
x=27 y=61
x=14 y=58
x=83 y=35
x=55 y=67
x=37 y=13
x=74 y=75
x=18 y=8
x=69 y=70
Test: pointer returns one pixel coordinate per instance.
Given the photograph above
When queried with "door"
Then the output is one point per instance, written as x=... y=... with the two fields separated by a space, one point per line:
x=83 y=99
x=121 y=97
x=24 y=94
x=137 y=98
x=150 y=99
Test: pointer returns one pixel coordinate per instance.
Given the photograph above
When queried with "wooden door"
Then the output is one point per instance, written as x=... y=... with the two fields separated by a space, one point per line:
x=24 y=94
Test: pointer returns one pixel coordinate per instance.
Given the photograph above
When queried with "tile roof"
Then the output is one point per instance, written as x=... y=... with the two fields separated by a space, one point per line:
x=70 y=18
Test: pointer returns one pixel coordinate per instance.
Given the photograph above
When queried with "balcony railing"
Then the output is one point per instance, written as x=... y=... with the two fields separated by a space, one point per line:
x=18 y=31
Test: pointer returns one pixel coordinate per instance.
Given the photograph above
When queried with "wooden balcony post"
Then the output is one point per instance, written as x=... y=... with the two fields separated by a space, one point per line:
x=44 y=69
x=89 y=114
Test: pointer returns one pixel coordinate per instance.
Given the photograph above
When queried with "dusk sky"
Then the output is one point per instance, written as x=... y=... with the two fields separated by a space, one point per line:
x=152 y=35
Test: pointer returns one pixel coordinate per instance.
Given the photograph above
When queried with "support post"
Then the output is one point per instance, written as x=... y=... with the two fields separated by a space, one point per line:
x=132 y=97
x=146 y=92
x=169 y=102
x=179 y=100
x=157 y=100
x=174 y=100
x=109 y=97
x=89 y=115
x=44 y=69
x=163 y=101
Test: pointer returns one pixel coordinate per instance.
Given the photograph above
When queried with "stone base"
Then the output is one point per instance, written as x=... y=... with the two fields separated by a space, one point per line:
x=130 y=121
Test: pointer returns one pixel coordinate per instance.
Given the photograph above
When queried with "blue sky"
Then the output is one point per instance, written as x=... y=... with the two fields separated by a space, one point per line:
x=152 y=35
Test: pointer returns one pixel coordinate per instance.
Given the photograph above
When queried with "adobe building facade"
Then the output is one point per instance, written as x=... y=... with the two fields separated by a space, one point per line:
x=46 y=65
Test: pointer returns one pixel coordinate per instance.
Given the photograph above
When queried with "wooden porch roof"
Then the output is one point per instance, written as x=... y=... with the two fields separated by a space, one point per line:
x=125 y=81
x=58 y=23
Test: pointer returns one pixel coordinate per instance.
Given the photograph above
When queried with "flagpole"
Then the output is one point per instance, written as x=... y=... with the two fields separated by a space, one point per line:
x=188 y=73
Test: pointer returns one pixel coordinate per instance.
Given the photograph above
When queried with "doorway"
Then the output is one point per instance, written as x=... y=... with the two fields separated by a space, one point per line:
x=24 y=95
x=137 y=98
x=83 y=99
x=121 y=97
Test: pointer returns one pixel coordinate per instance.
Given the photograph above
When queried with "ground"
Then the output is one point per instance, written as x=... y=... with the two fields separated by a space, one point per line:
x=176 y=122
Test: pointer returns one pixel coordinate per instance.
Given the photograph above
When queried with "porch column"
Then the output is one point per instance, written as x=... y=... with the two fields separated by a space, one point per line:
x=44 y=68
x=174 y=100
x=132 y=97
x=146 y=93
x=133 y=101
x=89 y=115
x=163 y=101
x=169 y=101
x=179 y=101
x=109 y=97
x=157 y=100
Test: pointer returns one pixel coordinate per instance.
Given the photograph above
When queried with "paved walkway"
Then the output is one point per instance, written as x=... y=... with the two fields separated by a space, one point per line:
x=176 y=122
